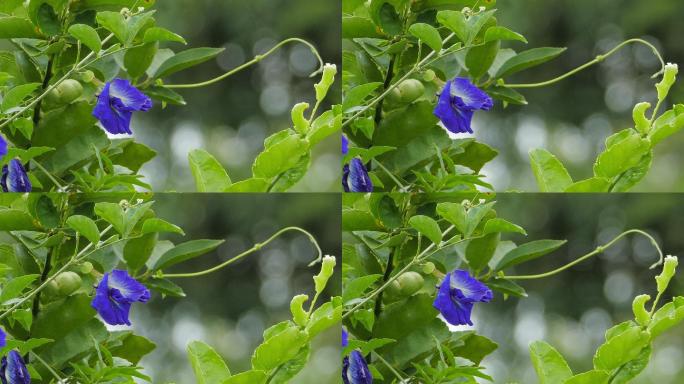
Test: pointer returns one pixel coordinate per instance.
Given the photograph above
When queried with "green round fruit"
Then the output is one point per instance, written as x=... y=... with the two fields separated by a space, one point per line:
x=410 y=90
x=68 y=282
x=393 y=291
x=65 y=93
x=429 y=75
x=86 y=267
x=52 y=289
x=410 y=282
x=428 y=268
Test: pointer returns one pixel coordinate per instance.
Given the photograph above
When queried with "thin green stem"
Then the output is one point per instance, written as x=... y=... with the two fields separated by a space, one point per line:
x=242 y=255
x=48 y=367
x=598 y=250
x=49 y=89
x=84 y=253
x=390 y=367
x=410 y=72
x=427 y=252
x=255 y=60
x=401 y=186
x=595 y=61
x=52 y=178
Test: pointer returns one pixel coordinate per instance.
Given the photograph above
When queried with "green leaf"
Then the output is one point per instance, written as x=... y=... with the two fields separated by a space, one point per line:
x=507 y=95
x=326 y=316
x=550 y=365
x=507 y=287
x=249 y=185
x=355 y=288
x=84 y=226
x=114 y=22
x=165 y=287
x=500 y=225
x=133 y=348
x=87 y=35
x=357 y=26
x=550 y=173
x=138 y=59
x=16 y=220
x=279 y=157
x=209 y=174
x=16 y=95
x=249 y=377
x=279 y=348
x=12 y=27
x=385 y=16
x=667 y=317
x=528 y=59
x=186 y=59
x=479 y=59
x=428 y=227
x=591 y=377
x=113 y=214
x=502 y=33
x=165 y=95
x=667 y=124
x=465 y=221
x=621 y=156
x=13 y=288
x=480 y=250
x=158 y=225
x=594 y=184
x=208 y=366
x=634 y=175
x=456 y=22
x=138 y=250
x=474 y=347
x=186 y=251
x=355 y=96
x=428 y=35
x=48 y=20
x=529 y=251
x=162 y=34
x=633 y=368
x=621 y=348
x=403 y=317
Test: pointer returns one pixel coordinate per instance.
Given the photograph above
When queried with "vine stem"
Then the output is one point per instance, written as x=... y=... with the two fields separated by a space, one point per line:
x=418 y=258
x=255 y=60
x=415 y=68
x=85 y=252
x=598 y=250
x=255 y=248
x=595 y=61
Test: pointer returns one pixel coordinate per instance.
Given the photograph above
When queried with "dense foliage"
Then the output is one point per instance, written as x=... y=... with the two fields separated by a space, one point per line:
x=417 y=266
x=68 y=258
x=76 y=72
x=416 y=74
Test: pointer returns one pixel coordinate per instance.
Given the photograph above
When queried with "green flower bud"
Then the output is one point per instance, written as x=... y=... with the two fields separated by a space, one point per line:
x=641 y=122
x=669 y=269
x=410 y=282
x=641 y=315
x=328 y=78
x=428 y=268
x=87 y=76
x=669 y=78
x=86 y=267
x=429 y=75
x=299 y=315
x=301 y=124
x=327 y=270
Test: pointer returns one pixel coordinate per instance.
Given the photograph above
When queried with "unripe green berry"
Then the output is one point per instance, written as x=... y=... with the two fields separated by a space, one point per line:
x=68 y=282
x=410 y=90
x=66 y=92
x=429 y=75
x=52 y=289
x=410 y=282
x=86 y=267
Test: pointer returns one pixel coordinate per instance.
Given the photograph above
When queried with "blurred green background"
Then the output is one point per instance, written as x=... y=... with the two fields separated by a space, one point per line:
x=573 y=309
x=231 y=308
x=231 y=119
x=572 y=118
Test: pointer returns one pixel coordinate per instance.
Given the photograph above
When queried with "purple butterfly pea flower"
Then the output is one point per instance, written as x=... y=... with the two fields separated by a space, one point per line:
x=116 y=104
x=355 y=177
x=3 y=338
x=3 y=147
x=458 y=102
x=457 y=294
x=115 y=294
x=13 y=369
x=354 y=367
x=345 y=145
x=14 y=178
